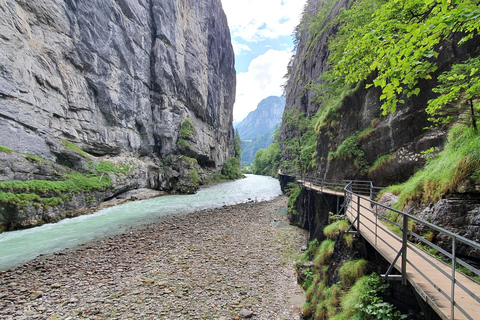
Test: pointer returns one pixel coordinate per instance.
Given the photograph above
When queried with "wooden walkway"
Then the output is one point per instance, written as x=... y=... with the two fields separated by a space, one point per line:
x=427 y=280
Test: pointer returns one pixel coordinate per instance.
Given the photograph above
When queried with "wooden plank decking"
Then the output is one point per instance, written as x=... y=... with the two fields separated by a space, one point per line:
x=428 y=281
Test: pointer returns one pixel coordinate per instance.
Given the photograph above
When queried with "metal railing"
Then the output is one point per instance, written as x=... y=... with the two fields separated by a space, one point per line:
x=407 y=239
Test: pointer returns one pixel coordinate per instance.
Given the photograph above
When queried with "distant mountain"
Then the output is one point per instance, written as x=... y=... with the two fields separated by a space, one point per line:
x=263 y=119
x=256 y=130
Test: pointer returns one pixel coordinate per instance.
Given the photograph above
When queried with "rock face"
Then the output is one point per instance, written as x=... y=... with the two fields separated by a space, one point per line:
x=401 y=136
x=256 y=130
x=263 y=119
x=118 y=78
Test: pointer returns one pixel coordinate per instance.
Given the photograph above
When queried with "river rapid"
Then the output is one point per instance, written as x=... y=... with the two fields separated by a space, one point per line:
x=18 y=247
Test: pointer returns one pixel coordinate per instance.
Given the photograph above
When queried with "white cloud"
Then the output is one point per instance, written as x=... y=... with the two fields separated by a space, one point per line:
x=240 y=48
x=254 y=20
x=264 y=78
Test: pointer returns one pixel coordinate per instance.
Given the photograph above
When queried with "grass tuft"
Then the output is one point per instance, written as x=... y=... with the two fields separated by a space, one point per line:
x=349 y=240
x=107 y=166
x=324 y=253
x=351 y=271
x=70 y=146
x=382 y=162
x=5 y=149
x=336 y=228
x=458 y=164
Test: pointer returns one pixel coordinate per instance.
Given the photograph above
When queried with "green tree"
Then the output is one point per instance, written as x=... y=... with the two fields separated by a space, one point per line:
x=267 y=161
x=259 y=162
x=238 y=145
x=231 y=169
x=459 y=92
x=400 y=42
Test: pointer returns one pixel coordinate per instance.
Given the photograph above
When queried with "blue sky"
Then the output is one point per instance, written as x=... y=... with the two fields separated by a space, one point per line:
x=262 y=39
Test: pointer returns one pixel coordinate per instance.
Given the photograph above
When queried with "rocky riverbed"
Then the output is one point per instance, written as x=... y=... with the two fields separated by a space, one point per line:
x=228 y=263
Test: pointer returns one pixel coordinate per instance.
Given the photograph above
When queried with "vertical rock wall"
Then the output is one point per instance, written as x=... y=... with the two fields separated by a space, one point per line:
x=116 y=78
x=401 y=135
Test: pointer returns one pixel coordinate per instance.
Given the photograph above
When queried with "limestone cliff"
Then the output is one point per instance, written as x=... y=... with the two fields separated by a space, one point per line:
x=117 y=78
x=401 y=137
x=366 y=135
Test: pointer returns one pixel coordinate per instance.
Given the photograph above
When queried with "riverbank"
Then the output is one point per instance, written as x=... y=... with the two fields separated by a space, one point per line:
x=211 y=264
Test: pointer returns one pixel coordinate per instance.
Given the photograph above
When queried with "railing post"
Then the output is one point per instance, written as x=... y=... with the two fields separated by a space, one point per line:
x=358 y=214
x=404 y=249
x=454 y=262
x=376 y=224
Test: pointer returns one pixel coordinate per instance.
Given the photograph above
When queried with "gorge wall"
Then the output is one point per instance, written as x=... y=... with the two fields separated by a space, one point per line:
x=401 y=137
x=118 y=80
x=353 y=136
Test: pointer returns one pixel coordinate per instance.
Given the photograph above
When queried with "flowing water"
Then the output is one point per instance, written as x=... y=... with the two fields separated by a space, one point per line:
x=18 y=247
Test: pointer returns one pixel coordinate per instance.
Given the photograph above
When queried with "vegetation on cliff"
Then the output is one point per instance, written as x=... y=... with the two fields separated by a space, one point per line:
x=457 y=167
x=342 y=290
x=400 y=42
x=231 y=168
x=402 y=57
x=394 y=46
x=300 y=148
x=50 y=193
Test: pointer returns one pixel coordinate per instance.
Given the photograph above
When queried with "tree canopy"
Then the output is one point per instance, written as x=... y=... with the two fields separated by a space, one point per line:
x=399 y=41
x=458 y=89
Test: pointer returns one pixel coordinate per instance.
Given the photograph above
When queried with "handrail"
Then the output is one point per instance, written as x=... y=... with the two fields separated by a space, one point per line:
x=361 y=189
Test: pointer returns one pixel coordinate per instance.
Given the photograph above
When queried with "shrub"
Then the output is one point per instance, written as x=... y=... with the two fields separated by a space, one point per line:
x=364 y=301
x=292 y=190
x=186 y=129
x=194 y=176
x=231 y=169
x=19 y=199
x=350 y=149
x=183 y=143
x=189 y=160
x=336 y=228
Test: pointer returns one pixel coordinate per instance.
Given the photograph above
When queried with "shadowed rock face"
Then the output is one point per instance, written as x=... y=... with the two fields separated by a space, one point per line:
x=401 y=135
x=116 y=77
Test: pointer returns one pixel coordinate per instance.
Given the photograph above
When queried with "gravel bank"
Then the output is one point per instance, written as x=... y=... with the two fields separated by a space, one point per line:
x=223 y=263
